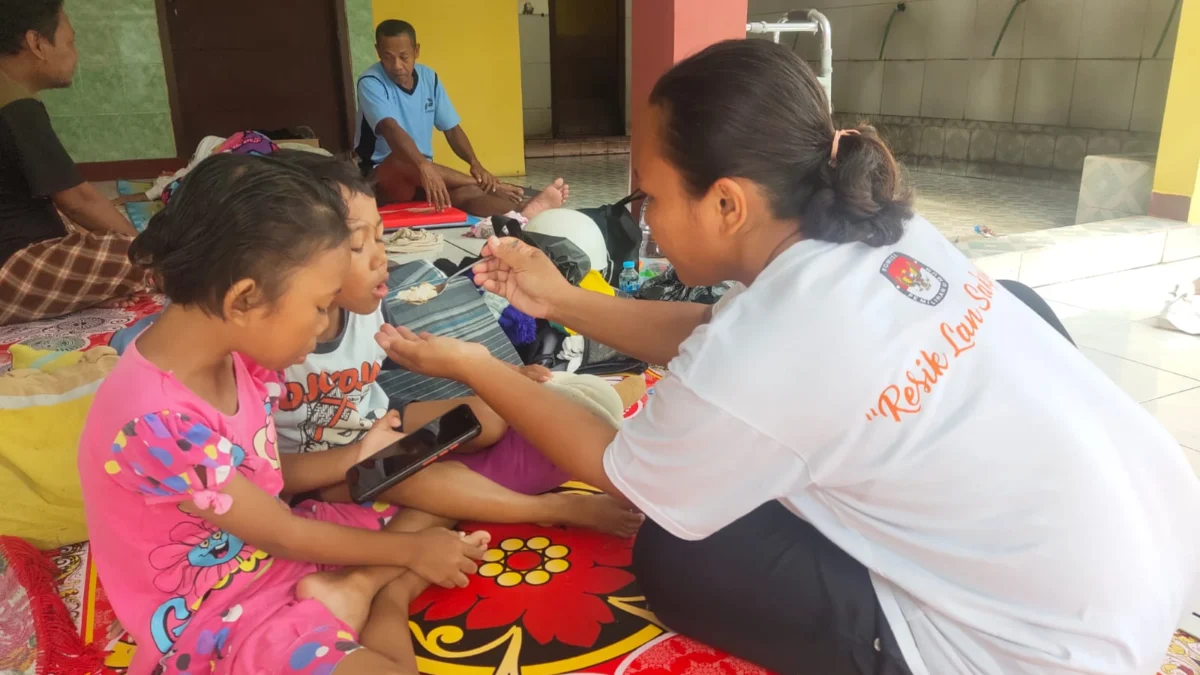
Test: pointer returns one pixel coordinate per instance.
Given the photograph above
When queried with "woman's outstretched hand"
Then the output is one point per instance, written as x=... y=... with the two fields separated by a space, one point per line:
x=523 y=275
x=429 y=354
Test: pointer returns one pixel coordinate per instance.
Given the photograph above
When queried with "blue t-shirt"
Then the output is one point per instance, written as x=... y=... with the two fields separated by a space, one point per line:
x=417 y=111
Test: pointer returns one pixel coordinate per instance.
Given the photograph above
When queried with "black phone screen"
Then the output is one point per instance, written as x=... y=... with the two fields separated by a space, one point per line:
x=408 y=455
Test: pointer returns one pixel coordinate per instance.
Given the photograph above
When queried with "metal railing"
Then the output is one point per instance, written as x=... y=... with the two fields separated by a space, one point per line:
x=816 y=23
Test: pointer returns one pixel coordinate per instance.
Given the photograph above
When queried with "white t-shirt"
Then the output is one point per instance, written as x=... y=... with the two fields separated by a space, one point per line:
x=332 y=398
x=1017 y=511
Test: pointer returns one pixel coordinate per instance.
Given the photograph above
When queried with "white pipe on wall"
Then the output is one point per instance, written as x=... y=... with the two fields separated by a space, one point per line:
x=817 y=23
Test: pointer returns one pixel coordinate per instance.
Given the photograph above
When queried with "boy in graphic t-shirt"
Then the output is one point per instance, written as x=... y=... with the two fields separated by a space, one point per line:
x=332 y=399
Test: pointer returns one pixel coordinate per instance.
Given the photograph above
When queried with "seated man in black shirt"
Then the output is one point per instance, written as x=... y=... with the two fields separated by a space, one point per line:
x=47 y=268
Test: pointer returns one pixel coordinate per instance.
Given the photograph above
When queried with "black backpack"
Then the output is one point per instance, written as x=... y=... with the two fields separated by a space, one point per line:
x=622 y=235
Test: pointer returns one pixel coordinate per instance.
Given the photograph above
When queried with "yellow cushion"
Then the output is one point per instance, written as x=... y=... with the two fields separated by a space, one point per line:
x=41 y=419
x=45 y=360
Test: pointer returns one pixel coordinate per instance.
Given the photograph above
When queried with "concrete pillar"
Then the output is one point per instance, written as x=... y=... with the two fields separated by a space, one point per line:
x=1175 y=170
x=668 y=31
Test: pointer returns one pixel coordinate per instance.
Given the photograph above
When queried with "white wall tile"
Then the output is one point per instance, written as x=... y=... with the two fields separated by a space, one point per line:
x=861 y=87
x=992 y=92
x=989 y=20
x=1112 y=29
x=867 y=32
x=535 y=85
x=1044 y=91
x=902 y=82
x=1157 y=12
x=841 y=25
x=535 y=38
x=1150 y=98
x=1103 y=95
x=537 y=123
x=944 y=93
x=909 y=34
x=951 y=29
x=1052 y=29
x=841 y=88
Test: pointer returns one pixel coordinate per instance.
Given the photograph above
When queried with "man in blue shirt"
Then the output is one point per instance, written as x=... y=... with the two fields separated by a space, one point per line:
x=400 y=103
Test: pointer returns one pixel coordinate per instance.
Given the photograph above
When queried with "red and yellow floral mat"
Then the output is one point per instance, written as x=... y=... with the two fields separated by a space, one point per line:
x=546 y=601
x=80 y=330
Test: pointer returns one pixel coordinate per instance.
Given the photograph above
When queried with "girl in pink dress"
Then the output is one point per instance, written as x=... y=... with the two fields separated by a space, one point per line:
x=206 y=567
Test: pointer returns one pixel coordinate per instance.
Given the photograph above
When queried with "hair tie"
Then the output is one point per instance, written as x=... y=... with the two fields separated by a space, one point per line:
x=837 y=137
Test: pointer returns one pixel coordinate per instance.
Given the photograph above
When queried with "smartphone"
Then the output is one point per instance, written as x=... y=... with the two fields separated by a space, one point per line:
x=372 y=476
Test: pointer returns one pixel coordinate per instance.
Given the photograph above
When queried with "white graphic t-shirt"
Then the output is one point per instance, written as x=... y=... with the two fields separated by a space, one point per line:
x=1018 y=512
x=332 y=398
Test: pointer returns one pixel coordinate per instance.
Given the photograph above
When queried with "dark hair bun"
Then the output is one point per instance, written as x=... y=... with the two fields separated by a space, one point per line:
x=752 y=109
x=860 y=198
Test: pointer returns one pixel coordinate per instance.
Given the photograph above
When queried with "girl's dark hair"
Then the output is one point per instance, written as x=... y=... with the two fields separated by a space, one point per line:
x=239 y=217
x=337 y=173
x=752 y=109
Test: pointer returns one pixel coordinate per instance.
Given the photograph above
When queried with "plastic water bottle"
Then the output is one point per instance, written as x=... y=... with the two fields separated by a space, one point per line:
x=650 y=260
x=629 y=280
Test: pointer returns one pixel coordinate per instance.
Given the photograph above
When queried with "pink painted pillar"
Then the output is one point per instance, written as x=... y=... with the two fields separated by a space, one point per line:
x=668 y=31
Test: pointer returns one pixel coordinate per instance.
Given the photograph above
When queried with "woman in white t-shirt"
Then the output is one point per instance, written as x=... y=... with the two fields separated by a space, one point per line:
x=868 y=457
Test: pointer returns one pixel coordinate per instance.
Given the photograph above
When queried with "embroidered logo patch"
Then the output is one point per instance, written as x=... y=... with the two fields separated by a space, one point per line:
x=910 y=277
x=428 y=105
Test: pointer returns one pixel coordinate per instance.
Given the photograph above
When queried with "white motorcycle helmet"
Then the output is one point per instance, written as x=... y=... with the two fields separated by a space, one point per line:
x=577 y=228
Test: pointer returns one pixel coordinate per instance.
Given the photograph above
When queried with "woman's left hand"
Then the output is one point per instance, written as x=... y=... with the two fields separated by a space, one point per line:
x=429 y=354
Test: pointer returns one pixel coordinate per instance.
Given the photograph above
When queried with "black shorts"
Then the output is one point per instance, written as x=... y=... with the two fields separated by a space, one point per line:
x=773 y=590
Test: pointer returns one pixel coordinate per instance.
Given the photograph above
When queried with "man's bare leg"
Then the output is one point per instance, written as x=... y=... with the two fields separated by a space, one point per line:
x=475 y=201
x=399 y=180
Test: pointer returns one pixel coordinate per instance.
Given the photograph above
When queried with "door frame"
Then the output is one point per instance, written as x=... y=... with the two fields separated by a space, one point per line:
x=168 y=54
x=622 y=84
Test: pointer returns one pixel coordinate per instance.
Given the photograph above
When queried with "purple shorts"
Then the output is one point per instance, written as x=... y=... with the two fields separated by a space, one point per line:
x=514 y=463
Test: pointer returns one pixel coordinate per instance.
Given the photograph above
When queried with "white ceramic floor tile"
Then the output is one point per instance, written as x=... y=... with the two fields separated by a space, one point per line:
x=1079 y=321
x=1180 y=414
x=1193 y=457
x=1136 y=294
x=1191 y=623
x=1141 y=382
x=467 y=244
x=1148 y=344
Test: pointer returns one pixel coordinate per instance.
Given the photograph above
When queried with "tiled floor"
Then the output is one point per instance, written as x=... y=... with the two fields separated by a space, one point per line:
x=955 y=204
x=1112 y=319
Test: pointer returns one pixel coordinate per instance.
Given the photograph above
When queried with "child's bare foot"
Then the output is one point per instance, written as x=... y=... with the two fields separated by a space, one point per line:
x=595 y=512
x=554 y=196
x=478 y=538
x=347 y=594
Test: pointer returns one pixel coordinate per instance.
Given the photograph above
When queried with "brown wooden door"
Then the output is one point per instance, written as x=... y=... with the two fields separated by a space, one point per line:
x=587 y=68
x=258 y=64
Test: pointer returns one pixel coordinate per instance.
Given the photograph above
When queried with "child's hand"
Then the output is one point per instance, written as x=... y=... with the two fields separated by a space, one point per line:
x=429 y=354
x=383 y=433
x=445 y=558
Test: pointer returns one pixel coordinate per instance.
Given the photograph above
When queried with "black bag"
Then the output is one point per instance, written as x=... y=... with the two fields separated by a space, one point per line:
x=598 y=359
x=566 y=256
x=622 y=235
